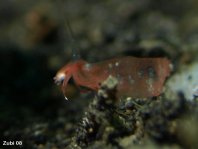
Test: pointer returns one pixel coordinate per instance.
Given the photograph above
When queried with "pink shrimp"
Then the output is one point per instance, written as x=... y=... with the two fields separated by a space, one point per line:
x=137 y=77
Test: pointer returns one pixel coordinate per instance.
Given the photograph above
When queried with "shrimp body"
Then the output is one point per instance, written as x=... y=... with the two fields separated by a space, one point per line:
x=137 y=77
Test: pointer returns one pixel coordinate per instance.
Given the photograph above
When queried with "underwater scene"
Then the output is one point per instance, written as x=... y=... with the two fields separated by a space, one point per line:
x=103 y=74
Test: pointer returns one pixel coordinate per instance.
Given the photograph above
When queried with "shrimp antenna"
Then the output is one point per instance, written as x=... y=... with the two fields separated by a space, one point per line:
x=75 y=49
x=64 y=94
x=65 y=97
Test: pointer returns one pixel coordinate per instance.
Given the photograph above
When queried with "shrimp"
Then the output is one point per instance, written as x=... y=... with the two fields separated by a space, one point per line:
x=137 y=77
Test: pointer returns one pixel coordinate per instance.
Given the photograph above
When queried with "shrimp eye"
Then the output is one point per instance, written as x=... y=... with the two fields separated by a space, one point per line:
x=59 y=78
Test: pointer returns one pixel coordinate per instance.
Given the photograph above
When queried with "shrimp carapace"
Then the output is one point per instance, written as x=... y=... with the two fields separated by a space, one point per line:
x=137 y=77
